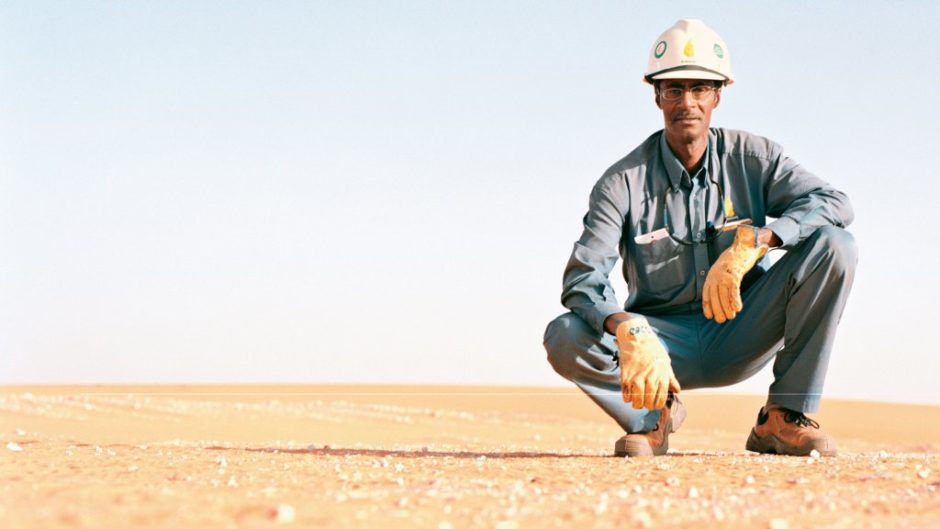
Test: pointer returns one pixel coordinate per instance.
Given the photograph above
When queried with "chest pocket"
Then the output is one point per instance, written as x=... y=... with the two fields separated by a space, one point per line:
x=662 y=268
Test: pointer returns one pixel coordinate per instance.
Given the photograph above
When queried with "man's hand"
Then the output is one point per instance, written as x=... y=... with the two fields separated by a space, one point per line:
x=721 y=296
x=646 y=376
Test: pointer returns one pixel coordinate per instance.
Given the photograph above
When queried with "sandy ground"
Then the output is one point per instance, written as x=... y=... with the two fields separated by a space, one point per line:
x=439 y=458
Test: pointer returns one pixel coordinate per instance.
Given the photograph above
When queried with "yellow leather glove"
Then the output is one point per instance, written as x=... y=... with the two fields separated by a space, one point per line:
x=646 y=376
x=721 y=296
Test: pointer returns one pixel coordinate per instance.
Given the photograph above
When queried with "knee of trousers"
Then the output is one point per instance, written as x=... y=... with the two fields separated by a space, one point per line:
x=838 y=246
x=566 y=337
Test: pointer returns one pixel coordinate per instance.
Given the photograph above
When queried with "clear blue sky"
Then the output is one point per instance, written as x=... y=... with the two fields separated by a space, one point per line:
x=388 y=191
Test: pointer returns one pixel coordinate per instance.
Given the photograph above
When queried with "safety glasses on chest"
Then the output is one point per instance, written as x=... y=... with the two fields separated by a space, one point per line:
x=727 y=220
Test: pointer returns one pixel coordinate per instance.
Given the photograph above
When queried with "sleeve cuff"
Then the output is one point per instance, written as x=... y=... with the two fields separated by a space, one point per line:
x=787 y=229
x=598 y=314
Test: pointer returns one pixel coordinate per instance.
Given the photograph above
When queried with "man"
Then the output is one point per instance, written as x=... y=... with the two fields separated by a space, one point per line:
x=688 y=212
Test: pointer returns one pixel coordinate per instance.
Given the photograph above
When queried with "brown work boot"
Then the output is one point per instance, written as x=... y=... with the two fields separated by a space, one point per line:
x=787 y=432
x=655 y=442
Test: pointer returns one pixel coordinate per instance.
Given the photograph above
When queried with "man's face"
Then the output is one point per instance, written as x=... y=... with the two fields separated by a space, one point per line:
x=687 y=117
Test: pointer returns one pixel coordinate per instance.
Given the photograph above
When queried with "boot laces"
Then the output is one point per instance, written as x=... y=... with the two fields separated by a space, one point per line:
x=799 y=419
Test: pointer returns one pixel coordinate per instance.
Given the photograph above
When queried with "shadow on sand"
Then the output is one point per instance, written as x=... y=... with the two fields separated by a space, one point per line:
x=421 y=452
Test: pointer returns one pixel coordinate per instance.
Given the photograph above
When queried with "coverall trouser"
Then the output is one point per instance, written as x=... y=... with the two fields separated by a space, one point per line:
x=790 y=316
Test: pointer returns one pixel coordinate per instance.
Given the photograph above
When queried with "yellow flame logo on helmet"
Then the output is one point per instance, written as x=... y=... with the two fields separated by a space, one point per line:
x=689 y=50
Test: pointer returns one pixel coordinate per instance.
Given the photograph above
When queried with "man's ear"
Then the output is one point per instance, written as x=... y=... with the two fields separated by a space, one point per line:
x=656 y=97
x=717 y=97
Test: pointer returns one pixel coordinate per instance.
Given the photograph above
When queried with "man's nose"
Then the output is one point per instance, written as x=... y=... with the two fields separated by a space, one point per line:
x=686 y=99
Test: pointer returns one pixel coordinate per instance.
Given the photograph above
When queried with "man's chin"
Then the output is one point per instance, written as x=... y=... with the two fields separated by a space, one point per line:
x=687 y=134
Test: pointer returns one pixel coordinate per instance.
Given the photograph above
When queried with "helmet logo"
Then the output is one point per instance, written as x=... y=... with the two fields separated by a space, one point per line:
x=689 y=50
x=719 y=52
x=660 y=49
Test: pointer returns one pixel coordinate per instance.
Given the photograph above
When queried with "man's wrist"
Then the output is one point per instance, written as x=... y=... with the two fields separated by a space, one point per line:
x=766 y=236
x=614 y=320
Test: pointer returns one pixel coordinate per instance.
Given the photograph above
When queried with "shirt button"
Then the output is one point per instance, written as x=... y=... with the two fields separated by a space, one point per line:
x=701 y=272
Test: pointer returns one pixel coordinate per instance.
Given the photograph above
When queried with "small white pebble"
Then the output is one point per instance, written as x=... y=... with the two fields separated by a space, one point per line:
x=221 y=461
x=507 y=524
x=14 y=447
x=672 y=481
x=815 y=454
x=693 y=492
x=399 y=467
x=749 y=479
x=232 y=482
x=20 y=432
x=402 y=502
x=98 y=450
x=883 y=454
x=132 y=468
x=718 y=514
x=284 y=513
x=445 y=525
x=643 y=519
x=778 y=523
x=923 y=473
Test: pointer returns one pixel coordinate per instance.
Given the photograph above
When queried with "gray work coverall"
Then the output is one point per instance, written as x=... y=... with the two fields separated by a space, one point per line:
x=795 y=303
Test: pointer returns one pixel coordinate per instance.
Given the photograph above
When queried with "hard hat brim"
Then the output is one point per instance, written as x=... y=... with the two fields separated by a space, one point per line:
x=687 y=72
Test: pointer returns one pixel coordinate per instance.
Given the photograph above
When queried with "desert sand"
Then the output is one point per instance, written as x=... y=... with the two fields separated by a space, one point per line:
x=439 y=457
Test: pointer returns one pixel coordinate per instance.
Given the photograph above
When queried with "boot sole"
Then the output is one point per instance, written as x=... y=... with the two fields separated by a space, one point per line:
x=640 y=447
x=770 y=444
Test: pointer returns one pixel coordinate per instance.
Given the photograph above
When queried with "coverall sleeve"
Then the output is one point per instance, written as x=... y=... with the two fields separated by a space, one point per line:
x=801 y=201
x=586 y=286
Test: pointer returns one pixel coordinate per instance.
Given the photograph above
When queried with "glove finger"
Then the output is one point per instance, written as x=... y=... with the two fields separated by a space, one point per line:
x=706 y=300
x=736 y=302
x=637 y=392
x=727 y=301
x=625 y=390
x=649 y=400
x=716 y=304
x=660 y=401
x=674 y=384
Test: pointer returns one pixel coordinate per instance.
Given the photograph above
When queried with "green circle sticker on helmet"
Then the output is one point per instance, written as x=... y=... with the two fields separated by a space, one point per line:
x=660 y=49
x=673 y=55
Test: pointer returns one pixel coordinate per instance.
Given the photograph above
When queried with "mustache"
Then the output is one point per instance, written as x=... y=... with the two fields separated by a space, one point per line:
x=685 y=115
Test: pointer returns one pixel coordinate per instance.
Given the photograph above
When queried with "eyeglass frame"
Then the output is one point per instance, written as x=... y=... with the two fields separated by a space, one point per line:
x=705 y=87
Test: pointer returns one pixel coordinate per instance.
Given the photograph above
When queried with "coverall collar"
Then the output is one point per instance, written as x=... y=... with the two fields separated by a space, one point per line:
x=678 y=176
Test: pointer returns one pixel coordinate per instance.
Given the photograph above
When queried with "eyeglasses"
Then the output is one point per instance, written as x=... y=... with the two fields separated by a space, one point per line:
x=699 y=92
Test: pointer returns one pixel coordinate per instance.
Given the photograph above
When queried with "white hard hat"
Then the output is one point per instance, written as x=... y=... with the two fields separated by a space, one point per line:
x=689 y=50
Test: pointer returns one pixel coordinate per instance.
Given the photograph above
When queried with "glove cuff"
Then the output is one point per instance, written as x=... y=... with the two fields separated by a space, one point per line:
x=634 y=326
x=747 y=236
